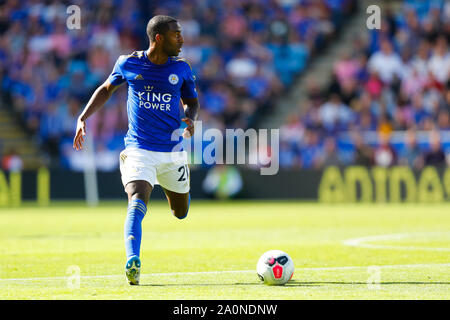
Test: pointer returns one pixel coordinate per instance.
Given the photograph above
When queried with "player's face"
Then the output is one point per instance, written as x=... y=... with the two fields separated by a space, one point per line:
x=173 y=40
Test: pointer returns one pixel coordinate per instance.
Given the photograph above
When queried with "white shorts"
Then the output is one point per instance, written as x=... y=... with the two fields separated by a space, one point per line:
x=168 y=169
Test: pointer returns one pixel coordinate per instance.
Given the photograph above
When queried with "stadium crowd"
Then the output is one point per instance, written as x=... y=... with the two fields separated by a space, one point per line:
x=244 y=53
x=385 y=93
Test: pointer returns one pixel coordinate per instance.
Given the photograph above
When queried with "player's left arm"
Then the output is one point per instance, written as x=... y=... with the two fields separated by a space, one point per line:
x=189 y=98
x=191 y=107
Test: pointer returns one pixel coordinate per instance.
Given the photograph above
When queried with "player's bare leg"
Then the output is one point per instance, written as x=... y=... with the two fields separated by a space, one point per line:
x=138 y=194
x=178 y=202
x=139 y=189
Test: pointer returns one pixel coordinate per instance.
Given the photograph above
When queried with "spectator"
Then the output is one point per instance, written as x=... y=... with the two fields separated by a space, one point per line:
x=11 y=161
x=346 y=68
x=435 y=156
x=374 y=85
x=386 y=63
x=414 y=81
x=293 y=130
x=334 y=114
x=363 y=153
x=439 y=63
x=418 y=111
x=411 y=154
x=385 y=155
x=443 y=120
x=311 y=150
x=419 y=63
x=289 y=156
x=330 y=156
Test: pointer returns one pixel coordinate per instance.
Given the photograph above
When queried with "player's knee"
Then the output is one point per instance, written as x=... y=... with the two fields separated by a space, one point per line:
x=138 y=190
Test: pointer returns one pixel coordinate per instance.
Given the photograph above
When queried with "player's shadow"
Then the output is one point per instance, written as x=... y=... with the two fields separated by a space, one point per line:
x=293 y=283
x=299 y=284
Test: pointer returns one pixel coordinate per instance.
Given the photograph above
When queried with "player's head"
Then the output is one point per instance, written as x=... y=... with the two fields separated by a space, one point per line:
x=165 y=32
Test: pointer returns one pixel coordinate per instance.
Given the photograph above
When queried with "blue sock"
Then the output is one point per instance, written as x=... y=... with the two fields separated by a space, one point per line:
x=189 y=204
x=133 y=228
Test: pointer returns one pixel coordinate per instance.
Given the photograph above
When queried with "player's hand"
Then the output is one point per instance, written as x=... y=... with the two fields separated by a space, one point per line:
x=189 y=130
x=78 y=140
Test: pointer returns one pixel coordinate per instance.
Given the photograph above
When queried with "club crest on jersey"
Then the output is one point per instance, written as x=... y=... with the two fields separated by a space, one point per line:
x=173 y=79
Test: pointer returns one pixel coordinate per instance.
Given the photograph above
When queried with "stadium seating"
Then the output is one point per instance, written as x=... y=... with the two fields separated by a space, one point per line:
x=244 y=55
x=394 y=87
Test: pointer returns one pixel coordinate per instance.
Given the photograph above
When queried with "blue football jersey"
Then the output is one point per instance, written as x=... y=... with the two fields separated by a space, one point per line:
x=154 y=92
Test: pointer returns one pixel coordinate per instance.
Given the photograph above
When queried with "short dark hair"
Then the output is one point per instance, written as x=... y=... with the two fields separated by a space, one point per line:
x=158 y=24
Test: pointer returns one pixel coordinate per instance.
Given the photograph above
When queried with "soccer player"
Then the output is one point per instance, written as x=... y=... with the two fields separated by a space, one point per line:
x=156 y=79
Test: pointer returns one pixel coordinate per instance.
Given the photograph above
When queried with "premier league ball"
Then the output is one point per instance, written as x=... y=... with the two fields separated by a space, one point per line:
x=275 y=267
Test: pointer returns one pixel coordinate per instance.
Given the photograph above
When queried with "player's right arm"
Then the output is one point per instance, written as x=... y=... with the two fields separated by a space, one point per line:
x=98 y=99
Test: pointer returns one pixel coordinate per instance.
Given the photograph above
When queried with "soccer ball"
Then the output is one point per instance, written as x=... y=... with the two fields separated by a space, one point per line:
x=275 y=267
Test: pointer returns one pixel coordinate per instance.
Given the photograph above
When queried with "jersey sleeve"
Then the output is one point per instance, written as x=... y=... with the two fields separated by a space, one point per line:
x=116 y=77
x=188 y=87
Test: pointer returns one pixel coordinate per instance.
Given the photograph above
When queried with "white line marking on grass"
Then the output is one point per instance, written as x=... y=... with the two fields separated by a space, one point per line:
x=228 y=271
x=362 y=242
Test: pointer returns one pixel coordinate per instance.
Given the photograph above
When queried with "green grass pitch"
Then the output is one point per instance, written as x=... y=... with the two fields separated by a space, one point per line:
x=354 y=251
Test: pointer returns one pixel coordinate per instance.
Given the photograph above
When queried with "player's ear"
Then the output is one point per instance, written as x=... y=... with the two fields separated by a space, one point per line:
x=158 y=37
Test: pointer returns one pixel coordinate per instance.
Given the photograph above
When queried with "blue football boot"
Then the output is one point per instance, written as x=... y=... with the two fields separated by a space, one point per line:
x=133 y=270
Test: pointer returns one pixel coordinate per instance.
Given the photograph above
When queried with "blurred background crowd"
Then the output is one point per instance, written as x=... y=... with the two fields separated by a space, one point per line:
x=385 y=93
x=245 y=54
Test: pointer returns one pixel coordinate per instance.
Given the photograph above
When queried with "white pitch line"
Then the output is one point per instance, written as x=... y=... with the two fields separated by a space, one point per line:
x=229 y=271
x=362 y=242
